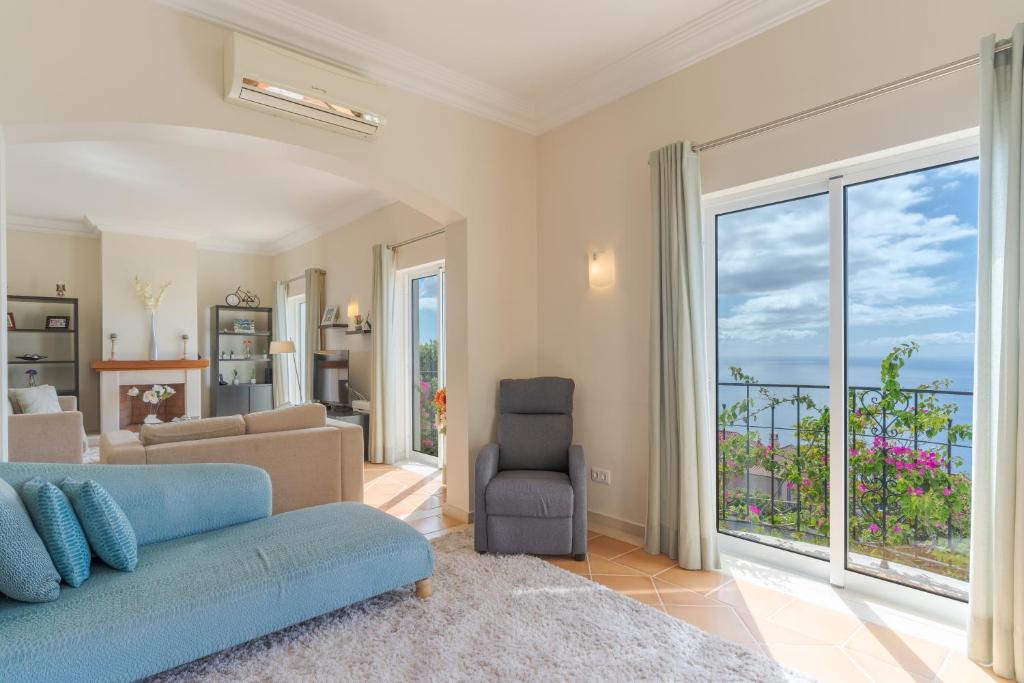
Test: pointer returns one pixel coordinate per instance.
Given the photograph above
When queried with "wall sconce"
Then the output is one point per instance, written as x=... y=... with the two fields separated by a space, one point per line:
x=353 y=312
x=601 y=268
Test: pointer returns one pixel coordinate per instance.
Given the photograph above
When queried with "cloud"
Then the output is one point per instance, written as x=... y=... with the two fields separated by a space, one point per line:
x=773 y=260
x=928 y=340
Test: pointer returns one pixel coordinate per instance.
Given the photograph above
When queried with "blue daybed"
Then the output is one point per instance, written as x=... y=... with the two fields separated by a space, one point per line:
x=215 y=570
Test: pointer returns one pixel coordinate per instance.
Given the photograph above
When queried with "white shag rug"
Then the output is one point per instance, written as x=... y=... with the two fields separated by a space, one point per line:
x=491 y=618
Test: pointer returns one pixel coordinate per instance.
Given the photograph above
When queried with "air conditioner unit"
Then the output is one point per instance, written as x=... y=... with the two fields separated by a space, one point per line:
x=285 y=83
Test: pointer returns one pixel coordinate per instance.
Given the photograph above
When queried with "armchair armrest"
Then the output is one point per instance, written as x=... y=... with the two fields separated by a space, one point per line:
x=167 y=501
x=121 y=448
x=578 y=479
x=46 y=437
x=486 y=469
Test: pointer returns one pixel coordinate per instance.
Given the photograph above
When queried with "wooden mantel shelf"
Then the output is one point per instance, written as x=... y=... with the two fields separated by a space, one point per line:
x=178 y=364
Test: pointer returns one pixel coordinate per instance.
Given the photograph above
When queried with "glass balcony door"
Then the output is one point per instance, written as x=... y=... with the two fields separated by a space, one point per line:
x=844 y=340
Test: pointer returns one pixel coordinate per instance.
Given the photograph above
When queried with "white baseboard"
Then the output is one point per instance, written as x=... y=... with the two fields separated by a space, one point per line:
x=457 y=512
x=630 y=532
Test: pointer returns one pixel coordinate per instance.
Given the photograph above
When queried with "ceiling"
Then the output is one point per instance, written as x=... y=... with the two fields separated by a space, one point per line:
x=219 y=199
x=532 y=64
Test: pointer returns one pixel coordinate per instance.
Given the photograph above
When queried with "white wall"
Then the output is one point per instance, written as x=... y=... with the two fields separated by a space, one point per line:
x=35 y=263
x=220 y=273
x=594 y=183
x=156 y=261
x=139 y=63
x=345 y=253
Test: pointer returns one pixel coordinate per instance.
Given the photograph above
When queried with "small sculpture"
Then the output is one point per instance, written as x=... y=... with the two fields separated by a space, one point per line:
x=113 y=345
x=62 y=288
x=184 y=346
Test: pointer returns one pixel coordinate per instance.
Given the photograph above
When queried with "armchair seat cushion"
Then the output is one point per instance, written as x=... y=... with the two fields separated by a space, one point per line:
x=530 y=493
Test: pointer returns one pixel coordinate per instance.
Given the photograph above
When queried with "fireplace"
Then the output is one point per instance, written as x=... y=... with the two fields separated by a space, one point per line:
x=133 y=411
x=118 y=411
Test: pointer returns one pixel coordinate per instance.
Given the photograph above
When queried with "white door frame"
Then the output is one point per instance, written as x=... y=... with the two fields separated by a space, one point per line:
x=3 y=295
x=403 y=331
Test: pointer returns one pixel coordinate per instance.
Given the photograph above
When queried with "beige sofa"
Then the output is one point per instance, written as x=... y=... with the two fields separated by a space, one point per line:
x=47 y=437
x=309 y=462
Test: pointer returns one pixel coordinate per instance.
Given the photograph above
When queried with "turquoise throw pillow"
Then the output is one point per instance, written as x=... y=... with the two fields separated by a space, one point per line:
x=26 y=570
x=57 y=525
x=110 y=534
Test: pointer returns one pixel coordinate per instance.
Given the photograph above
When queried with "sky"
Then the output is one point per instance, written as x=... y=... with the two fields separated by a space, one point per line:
x=426 y=302
x=911 y=269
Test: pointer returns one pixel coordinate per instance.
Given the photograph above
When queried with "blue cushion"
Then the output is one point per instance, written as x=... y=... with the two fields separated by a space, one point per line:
x=200 y=594
x=106 y=526
x=26 y=570
x=58 y=526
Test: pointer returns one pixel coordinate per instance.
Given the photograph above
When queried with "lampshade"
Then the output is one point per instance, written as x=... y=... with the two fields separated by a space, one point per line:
x=283 y=346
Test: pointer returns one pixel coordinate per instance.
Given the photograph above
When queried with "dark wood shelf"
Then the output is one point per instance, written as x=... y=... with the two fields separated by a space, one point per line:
x=40 y=362
x=244 y=334
x=332 y=325
x=61 y=330
x=358 y=332
x=244 y=360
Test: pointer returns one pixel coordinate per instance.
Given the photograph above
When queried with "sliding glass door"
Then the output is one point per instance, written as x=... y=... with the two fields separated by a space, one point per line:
x=844 y=330
x=426 y=327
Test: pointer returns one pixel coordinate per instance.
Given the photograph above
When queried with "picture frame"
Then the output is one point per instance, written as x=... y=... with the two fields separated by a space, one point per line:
x=58 y=322
x=330 y=315
x=11 y=325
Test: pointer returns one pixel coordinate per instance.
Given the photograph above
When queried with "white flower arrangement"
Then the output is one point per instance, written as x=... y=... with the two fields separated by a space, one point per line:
x=155 y=396
x=145 y=292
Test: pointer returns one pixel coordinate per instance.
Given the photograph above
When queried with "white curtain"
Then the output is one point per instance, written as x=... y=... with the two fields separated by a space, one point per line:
x=996 y=628
x=387 y=442
x=681 y=481
x=280 y=361
x=315 y=280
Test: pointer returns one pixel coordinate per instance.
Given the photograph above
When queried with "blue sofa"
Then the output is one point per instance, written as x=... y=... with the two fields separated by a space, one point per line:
x=215 y=570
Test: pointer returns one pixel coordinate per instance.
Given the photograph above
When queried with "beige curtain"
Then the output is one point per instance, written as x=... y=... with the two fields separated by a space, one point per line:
x=386 y=438
x=315 y=280
x=996 y=628
x=681 y=481
x=279 y=362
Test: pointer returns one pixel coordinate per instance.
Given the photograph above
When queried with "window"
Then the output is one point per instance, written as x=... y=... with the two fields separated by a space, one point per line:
x=420 y=306
x=844 y=341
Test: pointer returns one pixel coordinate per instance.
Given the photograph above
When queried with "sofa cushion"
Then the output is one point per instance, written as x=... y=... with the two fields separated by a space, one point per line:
x=305 y=416
x=529 y=493
x=57 y=525
x=35 y=400
x=192 y=430
x=110 y=534
x=26 y=570
x=197 y=595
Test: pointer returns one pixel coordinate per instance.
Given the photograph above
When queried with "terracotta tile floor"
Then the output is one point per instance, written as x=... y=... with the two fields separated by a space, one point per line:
x=825 y=643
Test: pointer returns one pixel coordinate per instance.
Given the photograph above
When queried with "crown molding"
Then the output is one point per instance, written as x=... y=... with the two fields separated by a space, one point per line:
x=728 y=24
x=53 y=226
x=301 y=29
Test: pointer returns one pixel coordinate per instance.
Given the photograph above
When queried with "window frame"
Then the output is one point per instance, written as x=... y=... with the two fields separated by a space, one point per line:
x=830 y=178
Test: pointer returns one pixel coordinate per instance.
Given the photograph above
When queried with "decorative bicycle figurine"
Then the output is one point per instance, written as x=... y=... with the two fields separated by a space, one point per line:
x=242 y=297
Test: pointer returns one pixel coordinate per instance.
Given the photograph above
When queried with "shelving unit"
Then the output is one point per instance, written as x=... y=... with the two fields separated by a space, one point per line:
x=245 y=397
x=30 y=335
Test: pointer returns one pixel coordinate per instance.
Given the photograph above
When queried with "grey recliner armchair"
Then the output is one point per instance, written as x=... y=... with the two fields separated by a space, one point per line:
x=531 y=486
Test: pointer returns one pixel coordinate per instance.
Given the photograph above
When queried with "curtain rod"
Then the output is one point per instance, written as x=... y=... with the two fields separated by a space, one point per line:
x=899 y=84
x=301 y=277
x=428 y=235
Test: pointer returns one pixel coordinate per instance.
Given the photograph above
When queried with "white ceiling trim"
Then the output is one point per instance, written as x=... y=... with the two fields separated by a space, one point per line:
x=713 y=32
x=717 y=30
x=53 y=226
x=300 y=29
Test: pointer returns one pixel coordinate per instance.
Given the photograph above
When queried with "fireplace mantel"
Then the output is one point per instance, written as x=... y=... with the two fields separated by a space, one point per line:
x=122 y=365
x=116 y=375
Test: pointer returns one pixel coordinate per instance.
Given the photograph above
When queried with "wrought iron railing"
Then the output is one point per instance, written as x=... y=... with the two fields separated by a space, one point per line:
x=884 y=424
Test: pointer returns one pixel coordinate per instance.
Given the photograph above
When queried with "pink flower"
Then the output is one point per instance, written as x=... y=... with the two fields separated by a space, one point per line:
x=755 y=511
x=862 y=488
x=873 y=528
x=807 y=483
x=947 y=492
x=897 y=529
x=789 y=485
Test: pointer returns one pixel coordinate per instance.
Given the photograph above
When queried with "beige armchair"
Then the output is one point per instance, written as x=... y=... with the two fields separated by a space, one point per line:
x=48 y=437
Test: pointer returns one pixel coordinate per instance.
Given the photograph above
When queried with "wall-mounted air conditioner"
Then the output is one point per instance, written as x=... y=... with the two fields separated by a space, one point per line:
x=285 y=83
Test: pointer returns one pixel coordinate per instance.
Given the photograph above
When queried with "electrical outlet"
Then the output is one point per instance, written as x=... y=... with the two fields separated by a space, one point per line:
x=600 y=476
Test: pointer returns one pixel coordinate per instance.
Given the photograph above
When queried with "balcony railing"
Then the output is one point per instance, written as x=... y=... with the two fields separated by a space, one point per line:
x=908 y=486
